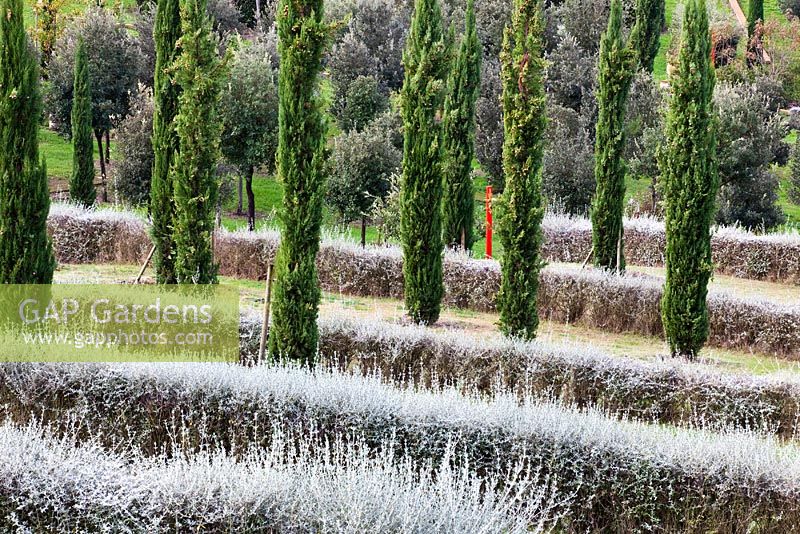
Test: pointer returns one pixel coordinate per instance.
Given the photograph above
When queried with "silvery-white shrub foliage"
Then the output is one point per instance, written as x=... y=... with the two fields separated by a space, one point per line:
x=49 y=484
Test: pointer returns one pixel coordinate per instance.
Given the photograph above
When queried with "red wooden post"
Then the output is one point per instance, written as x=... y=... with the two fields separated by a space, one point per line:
x=488 y=221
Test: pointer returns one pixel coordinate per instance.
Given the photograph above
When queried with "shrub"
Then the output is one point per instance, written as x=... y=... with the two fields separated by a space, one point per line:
x=363 y=103
x=794 y=179
x=790 y=5
x=571 y=73
x=568 y=173
x=49 y=483
x=114 y=68
x=622 y=475
x=134 y=170
x=749 y=141
x=362 y=166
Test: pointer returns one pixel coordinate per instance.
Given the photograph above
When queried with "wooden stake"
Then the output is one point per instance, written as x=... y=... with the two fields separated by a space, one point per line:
x=262 y=348
x=146 y=263
x=588 y=257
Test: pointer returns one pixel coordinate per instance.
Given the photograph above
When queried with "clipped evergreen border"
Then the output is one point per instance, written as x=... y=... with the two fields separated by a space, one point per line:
x=623 y=476
x=587 y=297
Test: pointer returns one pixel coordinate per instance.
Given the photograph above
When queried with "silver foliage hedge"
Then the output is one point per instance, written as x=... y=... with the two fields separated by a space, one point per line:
x=55 y=484
x=624 y=476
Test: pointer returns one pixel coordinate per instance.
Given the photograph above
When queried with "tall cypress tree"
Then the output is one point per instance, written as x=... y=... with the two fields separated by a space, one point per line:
x=646 y=34
x=459 y=138
x=198 y=72
x=26 y=254
x=81 y=185
x=524 y=121
x=794 y=177
x=617 y=66
x=690 y=182
x=166 y=31
x=426 y=62
x=755 y=13
x=302 y=38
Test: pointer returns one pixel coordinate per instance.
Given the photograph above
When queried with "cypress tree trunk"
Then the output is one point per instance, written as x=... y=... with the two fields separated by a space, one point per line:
x=755 y=13
x=690 y=184
x=426 y=60
x=524 y=121
x=81 y=185
x=198 y=71
x=302 y=39
x=251 y=200
x=166 y=32
x=459 y=138
x=617 y=66
x=646 y=34
x=26 y=255
x=98 y=134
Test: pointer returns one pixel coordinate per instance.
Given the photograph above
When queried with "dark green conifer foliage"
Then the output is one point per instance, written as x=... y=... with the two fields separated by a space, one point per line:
x=524 y=121
x=794 y=177
x=81 y=185
x=617 y=67
x=167 y=30
x=26 y=254
x=303 y=36
x=646 y=34
x=690 y=182
x=426 y=60
x=198 y=70
x=755 y=13
x=459 y=138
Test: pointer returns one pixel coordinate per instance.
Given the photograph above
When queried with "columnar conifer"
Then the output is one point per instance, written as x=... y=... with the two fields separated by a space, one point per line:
x=26 y=254
x=755 y=13
x=524 y=121
x=167 y=30
x=646 y=34
x=81 y=185
x=690 y=183
x=617 y=67
x=198 y=71
x=459 y=138
x=302 y=38
x=426 y=62
x=794 y=180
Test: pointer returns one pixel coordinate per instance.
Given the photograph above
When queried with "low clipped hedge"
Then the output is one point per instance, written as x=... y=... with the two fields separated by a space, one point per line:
x=622 y=476
x=665 y=392
x=54 y=485
x=592 y=298
x=82 y=236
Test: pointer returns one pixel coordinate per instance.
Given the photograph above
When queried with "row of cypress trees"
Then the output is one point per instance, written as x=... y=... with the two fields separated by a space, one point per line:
x=689 y=173
x=186 y=133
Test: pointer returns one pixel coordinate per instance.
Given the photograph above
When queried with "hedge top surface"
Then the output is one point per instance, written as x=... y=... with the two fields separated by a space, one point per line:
x=739 y=455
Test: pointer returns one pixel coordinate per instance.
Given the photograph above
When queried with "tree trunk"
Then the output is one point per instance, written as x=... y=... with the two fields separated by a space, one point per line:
x=99 y=136
x=108 y=146
x=363 y=232
x=251 y=201
x=239 y=205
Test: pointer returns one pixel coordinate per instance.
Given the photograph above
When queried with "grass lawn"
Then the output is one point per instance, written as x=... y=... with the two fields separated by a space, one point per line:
x=57 y=152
